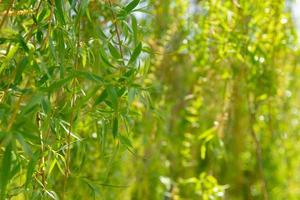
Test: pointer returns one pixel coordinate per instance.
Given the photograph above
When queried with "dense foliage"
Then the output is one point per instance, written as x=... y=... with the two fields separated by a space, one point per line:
x=149 y=99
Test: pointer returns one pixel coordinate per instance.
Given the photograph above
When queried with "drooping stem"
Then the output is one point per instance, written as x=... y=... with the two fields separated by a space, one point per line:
x=71 y=122
x=258 y=150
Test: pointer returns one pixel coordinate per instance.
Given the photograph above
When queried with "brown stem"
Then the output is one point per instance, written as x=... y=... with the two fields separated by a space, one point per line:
x=115 y=22
x=16 y=109
x=49 y=24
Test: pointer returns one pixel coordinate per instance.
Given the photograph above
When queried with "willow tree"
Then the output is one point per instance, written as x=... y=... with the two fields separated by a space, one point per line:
x=70 y=83
x=144 y=99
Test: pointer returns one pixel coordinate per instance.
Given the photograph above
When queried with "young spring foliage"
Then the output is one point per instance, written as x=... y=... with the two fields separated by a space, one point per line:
x=68 y=69
x=149 y=100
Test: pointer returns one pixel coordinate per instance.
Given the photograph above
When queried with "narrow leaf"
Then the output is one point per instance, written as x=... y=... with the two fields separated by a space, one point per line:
x=132 y=5
x=134 y=25
x=5 y=170
x=115 y=127
x=101 y=97
x=126 y=141
x=136 y=53
x=60 y=13
x=113 y=51
x=9 y=56
x=30 y=169
x=20 y=68
x=57 y=84
x=113 y=94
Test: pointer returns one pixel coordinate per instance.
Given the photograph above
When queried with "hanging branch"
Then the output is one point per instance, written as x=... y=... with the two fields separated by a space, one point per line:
x=115 y=22
x=258 y=149
x=73 y=99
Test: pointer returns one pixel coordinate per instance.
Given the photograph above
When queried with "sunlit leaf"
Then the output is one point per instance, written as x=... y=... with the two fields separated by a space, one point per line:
x=136 y=52
x=132 y=5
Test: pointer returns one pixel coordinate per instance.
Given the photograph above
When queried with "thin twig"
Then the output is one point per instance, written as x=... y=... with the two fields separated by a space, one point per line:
x=42 y=161
x=115 y=22
x=49 y=24
x=16 y=109
x=258 y=150
x=68 y=150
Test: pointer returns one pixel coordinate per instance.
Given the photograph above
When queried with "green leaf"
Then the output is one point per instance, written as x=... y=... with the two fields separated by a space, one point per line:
x=129 y=74
x=84 y=100
x=113 y=95
x=3 y=40
x=52 y=48
x=20 y=68
x=23 y=143
x=57 y=84
x=32 y=104
x=9 y=56
x=203 y=151
x=52 y=195
x=59 y=9
x=209 y=133
x=42 y=15
x=22 y=43
x=113 y=51
x=83 y=57
x=121 y=91
x=100 y=33
x=101 y=97
x=88 y=75
x=82 y=9
x=5 y=170
x=45 y=104
x=3 y=134
x=31 y=168
x=132 y=5
x=39 y=36
x=84 y=5
x=136 y=53
x=131 y=95
x=105 y=59
x=58 y=36
x=125 y=140
x=115 y=127
x=134 y=26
